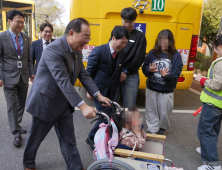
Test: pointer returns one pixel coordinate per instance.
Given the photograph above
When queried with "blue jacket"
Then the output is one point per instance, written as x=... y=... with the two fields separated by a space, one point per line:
x=36 y=52
x=155 y=80
x=99 y=67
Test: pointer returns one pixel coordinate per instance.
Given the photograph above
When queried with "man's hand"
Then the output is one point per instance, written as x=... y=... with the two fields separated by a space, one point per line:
x=164 y=72
x=123 y=76
x=32 y=78
x=153 y=67
x=87 y=111
x=1 y=83
x=89 y=97
x=198 y=77
x=104 y=100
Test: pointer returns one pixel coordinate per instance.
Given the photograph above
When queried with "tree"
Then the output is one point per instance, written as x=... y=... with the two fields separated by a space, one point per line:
x=51 y=8
x=59 y=31
x=210 y=22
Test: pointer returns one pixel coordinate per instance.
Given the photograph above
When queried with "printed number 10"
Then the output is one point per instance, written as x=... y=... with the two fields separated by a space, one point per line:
x=158 y=5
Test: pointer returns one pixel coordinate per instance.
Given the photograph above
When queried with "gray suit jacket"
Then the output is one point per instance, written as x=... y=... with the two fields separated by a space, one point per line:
x=9 y=71
x=54 y=83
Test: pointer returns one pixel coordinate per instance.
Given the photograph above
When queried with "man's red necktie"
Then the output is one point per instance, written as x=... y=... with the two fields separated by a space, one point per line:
x=18 y=46
x=114 y=54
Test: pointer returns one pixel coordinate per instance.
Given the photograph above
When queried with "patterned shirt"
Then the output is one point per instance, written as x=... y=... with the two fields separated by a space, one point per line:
x=129 y=138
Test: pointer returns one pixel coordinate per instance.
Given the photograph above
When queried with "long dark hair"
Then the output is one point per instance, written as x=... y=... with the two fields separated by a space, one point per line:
x=171 y=46
x=218 y=40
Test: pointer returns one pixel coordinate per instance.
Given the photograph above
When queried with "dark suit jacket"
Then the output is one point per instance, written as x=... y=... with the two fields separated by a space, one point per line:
x=36 y=52
x=99 y=68
x=54 y=83
x=9 y=71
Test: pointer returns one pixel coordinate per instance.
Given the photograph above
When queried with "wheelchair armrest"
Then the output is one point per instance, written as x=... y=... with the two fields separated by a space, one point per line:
x=138 y=154
x=155 y=136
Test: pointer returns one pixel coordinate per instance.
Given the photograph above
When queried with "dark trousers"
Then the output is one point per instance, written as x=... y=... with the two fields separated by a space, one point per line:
x=64 y=128
x=208 y=131
x=15 y=96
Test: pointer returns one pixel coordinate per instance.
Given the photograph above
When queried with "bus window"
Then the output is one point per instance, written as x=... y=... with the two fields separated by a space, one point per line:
x=27 y=7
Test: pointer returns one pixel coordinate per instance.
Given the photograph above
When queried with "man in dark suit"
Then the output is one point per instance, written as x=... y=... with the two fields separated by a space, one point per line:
x=52 y=98
x=46 y=30
x=15 y=69
x=104 y=66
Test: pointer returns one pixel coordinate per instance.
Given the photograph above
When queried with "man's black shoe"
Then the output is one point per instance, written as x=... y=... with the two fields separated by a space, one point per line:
x=22 y=131
x=18 y=141
x=90 y=143
x=162 y=132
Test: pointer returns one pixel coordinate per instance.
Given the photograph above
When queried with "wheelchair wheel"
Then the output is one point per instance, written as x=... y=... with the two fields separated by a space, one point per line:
x=104 y=164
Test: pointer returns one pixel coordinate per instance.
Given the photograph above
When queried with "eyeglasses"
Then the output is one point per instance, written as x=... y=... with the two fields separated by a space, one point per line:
x=20 y=22
x=88 y=39
x=47 y=32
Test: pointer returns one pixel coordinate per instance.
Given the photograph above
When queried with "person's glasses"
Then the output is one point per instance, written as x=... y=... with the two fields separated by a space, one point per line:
x=20 y=22
x=49 y=32
x=86 y=38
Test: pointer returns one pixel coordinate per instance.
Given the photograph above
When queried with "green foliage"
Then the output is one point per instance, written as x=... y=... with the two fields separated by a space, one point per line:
x=201 y=67
x=197 y=65
x=210 y=22
x=206 y=62
x=199 y=57
x=48 y=10
x=59 y=31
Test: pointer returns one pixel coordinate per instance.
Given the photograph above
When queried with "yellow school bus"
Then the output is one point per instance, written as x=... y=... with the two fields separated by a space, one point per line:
x=182 y=17
x=27 y=7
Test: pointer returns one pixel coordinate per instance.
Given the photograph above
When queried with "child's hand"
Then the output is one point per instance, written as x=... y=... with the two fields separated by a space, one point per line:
x=153 y=67
x=164 y=72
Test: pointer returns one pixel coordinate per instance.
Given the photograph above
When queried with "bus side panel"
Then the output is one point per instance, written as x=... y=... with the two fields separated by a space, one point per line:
x=188 y=75
x=198 y=17
x=76 y=9
x=183 y=38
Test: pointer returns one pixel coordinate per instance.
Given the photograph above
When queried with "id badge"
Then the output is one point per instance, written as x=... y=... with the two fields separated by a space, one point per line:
x=19 y=64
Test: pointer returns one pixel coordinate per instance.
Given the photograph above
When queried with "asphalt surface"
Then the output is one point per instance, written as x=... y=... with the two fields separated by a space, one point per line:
x=179 y=147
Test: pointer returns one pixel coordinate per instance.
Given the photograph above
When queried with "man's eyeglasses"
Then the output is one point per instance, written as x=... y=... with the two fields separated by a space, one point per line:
x=20 y=22
x=47 y=32
x=88 y=39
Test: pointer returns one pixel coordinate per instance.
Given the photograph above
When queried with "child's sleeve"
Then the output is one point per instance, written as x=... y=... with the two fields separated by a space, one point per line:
x=140 y=141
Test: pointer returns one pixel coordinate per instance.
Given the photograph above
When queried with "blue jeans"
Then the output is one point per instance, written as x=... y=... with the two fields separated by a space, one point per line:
x=207 y=132
x=129 y=89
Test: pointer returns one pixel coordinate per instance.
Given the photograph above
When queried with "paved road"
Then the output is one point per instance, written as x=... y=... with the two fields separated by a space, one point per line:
x=179 y=146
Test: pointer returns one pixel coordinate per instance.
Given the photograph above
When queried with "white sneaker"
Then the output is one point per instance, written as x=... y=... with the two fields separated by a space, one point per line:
x=198 y=150
x=209 y=167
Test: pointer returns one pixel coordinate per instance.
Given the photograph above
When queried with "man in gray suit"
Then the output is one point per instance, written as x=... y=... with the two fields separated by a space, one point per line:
x=15 y=68
x=52 y=98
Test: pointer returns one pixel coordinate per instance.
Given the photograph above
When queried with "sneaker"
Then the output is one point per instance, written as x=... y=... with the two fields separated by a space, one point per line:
x=209 y=167
x=198 y=150
x=162 y=132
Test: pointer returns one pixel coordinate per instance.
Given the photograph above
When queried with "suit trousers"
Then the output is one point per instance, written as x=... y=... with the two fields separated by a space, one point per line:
x=64 y=128
x=15 y=96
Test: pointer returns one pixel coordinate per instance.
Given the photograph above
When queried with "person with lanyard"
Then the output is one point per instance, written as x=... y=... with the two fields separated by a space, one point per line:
x=209 y=124
x=135 y=55
x=46 y=30
x=15 y=69
x=104 y=66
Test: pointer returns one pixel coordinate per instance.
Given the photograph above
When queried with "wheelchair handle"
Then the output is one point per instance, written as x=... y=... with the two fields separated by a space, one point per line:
x=114 y=104
x=109 y=122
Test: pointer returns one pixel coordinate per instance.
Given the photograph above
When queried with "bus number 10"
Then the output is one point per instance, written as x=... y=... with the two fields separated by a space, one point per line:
x=158 y=5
